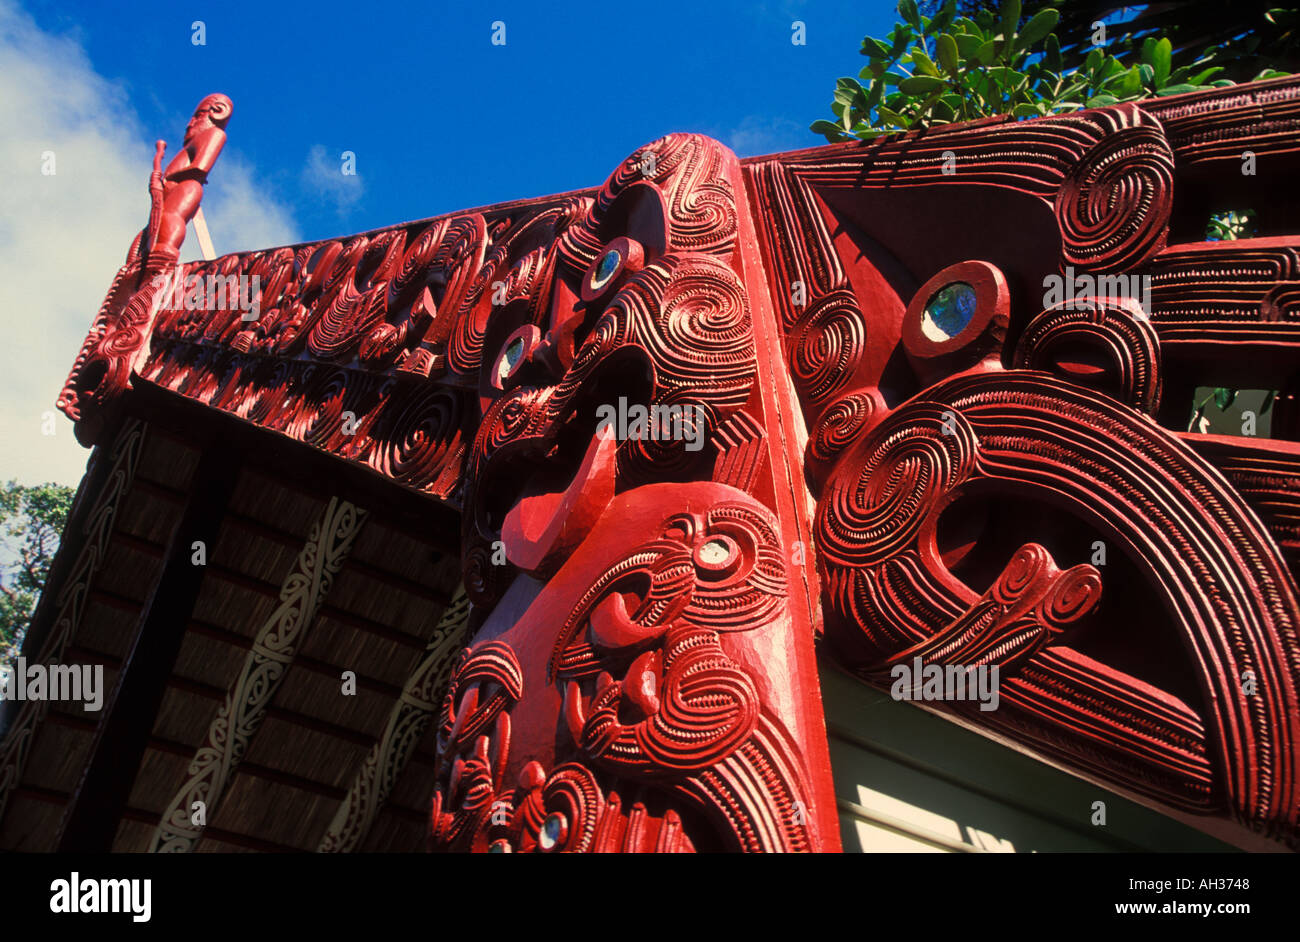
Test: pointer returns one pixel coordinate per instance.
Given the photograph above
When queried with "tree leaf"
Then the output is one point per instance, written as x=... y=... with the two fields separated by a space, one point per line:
x=1200 y=78
x=1009 y=18
x=939 y=22
x=875 y=49
x=1224 y=397
x=893 y=117
x=945 y=47
x=1161 y=65
x=920 y=85
x=907 y=9
x=924 y=64
x=1052 y=53
x=986 y=52
x=832 y=132
x=1004 y=76
x=968 y=44
x=1043 y=23
x=874 y=96
x=1025 y=110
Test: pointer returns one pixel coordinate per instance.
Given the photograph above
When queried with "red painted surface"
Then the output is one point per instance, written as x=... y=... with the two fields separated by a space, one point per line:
x=642 y=675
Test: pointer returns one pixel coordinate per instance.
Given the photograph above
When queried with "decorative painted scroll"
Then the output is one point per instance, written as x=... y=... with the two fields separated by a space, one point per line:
x=72 y=598
x=264 y=668
x=407 y=722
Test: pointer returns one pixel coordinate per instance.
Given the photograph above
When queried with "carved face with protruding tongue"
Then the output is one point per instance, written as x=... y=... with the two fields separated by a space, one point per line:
x=682 y=703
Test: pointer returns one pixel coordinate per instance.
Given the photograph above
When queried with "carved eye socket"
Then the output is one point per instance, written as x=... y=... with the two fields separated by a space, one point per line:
x=718 y=556
x=511 y=362
x=606 y=267
x=509 y=357
x=957 y=317
x=554 y=830
x=619 y=257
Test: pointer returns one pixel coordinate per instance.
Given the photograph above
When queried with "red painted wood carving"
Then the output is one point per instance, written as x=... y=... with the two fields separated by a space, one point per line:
x=917 y=399
x=103 y=369
x=959 y=416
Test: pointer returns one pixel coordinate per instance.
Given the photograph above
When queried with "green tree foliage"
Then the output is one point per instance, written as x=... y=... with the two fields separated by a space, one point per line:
x=31 y=520
x=1018 y=60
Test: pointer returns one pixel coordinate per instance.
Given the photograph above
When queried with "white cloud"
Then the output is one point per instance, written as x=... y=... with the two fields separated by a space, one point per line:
x=62 y=237
x=324 y=174
x=757 y=135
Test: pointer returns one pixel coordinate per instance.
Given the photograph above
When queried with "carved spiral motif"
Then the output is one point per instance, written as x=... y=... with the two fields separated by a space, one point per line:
x=841 y=424
x=483 y=580
x=869 y=510
x=709 y=707
x=1113 y=208
x=411 y=271
x=826 y=345
x=1119 y=329
x=1023 y=570
x=690 y=171
x=465 y=345
x=699 y=335
x=572 y=800
x=1072 y=596
x=322 y=415
x=418 y=441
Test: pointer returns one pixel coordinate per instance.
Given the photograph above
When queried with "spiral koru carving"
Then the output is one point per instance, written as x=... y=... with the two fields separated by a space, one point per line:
x=826 y=345
x=1113 y=207
x=689 y=172
x=420 y=441
x=1069 y=338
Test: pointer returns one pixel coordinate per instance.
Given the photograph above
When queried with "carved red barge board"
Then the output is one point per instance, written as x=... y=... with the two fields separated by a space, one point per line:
x=641 y=673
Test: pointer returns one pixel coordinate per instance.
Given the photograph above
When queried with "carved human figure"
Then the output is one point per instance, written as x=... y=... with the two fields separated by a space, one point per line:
x=183 y=179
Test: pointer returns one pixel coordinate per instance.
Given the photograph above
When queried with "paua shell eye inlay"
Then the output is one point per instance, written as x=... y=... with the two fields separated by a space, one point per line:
x=948 y=312
x=606 y=268
x=510 y=357
x=552 y=833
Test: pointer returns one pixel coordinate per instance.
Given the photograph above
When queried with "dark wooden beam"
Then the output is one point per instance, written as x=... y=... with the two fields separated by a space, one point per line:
x=122 y=735
x=315 y=473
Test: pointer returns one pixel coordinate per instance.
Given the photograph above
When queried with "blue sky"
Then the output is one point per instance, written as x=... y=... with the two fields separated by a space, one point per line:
x=440 y=118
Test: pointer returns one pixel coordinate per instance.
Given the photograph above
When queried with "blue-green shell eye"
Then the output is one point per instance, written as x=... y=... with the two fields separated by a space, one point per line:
x=948 y=312
x=605 y=268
